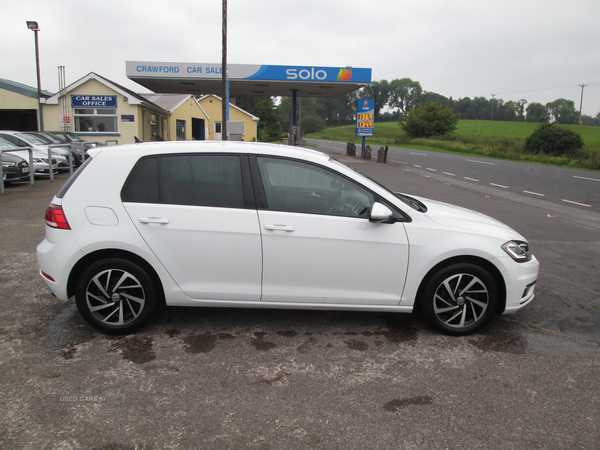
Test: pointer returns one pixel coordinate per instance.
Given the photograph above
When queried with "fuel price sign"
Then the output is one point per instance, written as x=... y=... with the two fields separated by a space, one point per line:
x=365 y=113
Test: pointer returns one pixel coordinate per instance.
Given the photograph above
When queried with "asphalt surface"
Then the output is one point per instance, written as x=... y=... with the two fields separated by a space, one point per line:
x=232 y=379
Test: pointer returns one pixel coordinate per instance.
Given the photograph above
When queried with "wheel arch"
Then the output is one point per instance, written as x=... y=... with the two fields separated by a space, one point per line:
x=475 y=260
x=93 y=257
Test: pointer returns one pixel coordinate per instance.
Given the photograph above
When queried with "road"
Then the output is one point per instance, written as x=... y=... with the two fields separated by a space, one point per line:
x=216 y=378
x=563 y=186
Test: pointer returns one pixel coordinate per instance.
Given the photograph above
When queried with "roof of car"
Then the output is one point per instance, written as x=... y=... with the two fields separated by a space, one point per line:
x=208 y=147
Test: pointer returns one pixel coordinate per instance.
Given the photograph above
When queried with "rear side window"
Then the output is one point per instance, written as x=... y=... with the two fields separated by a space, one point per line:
x=196 y=180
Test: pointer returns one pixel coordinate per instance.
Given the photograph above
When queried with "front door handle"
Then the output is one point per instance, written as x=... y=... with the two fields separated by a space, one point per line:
x=276 y=227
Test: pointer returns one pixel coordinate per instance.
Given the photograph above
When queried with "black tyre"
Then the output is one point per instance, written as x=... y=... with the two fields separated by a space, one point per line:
x=460 y=299
x=116 y=296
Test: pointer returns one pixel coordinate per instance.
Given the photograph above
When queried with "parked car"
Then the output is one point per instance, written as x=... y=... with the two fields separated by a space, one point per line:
x=14 y=167
x=233 y=224
x=79 y=145
x=39 y=159
x=23 y=139
x=59 y=148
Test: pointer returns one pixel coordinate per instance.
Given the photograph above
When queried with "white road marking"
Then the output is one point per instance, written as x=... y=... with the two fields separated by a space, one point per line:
x=470 y=179
x=576 y=203
x=481 y=162
x=535 y=193
x=499 y=185
x=433 y=170
x=448 y=173
x=417 y=166
x=420 y=154
x=586 y=178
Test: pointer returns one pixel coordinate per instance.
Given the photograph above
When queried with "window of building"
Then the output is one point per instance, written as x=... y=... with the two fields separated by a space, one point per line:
x=95 y=120
x=153 y=127
x=180 y=126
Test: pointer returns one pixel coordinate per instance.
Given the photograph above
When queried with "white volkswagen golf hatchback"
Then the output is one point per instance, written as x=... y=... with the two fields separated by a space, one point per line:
x=267 y=226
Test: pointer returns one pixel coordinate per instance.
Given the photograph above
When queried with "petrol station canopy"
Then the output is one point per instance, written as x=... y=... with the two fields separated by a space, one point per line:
x=247 y=79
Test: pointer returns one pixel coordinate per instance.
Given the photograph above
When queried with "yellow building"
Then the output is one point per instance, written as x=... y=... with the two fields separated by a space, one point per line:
x=19 y=106
x=98 y=109
x=201 y=118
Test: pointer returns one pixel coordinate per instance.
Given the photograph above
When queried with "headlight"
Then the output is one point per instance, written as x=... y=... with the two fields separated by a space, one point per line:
x=518 y=250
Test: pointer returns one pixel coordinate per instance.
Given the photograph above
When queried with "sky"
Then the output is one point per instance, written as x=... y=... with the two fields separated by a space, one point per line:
x=538 y=50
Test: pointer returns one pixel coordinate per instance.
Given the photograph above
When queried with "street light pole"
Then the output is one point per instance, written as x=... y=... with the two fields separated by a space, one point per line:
x=33 y=26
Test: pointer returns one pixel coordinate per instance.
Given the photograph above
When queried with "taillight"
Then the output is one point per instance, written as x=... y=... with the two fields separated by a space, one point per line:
x=55 y=217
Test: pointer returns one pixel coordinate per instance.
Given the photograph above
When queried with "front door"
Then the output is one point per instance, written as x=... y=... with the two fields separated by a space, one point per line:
x=218 y=131
x=318 y=243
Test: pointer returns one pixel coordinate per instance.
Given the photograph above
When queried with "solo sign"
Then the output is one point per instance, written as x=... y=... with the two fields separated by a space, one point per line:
x=365 y=113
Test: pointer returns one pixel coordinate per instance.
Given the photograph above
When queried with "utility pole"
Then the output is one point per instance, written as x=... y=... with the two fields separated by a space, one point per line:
x=493 y=95
x=581 y=101
x=225 y=97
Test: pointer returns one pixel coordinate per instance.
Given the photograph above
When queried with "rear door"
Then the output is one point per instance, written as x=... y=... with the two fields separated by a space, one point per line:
x=200 y=222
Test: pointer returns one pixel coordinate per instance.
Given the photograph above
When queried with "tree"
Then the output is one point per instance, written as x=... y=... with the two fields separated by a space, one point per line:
x=554 y=140
x=268 y=129
x=379 y=91
x=313 y=124
x=405 y=94
x=563 y=111
x=589 y=121
x=430 y=119
x=536 y=112
x=520 y=108
x=508 y=111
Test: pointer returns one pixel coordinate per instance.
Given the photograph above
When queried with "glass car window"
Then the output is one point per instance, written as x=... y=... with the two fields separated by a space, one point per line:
x=296 y=186
x=202 y=180
x=142 y=185
x=196 y=180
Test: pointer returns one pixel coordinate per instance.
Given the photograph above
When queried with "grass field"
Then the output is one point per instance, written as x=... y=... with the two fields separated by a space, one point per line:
x=504 y=140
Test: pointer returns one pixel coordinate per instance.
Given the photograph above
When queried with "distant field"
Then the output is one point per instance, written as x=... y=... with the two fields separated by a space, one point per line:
x=503 y=140
x=387 y=133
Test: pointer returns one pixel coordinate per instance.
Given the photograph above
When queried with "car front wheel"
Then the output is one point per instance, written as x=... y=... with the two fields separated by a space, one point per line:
x=116 y=296
x=460 y=299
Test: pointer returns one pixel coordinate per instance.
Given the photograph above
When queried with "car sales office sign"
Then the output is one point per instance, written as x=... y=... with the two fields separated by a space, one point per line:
x=365 y=112
x=94 y=101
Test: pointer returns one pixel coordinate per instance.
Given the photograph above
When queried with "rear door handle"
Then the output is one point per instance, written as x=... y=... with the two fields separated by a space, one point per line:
x=158 y=220
x=275 y=227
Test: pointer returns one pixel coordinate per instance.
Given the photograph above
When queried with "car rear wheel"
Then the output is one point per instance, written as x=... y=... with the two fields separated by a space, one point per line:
x=116 y=296
x=460 y=299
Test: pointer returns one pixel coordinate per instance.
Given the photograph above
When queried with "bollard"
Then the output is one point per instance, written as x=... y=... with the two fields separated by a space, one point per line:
x=351 y=149
x=368 y=152
x=382 y=154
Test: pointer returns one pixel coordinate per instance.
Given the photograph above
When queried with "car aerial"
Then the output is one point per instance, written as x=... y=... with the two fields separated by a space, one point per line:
x=14 y=167
x=25 y=139
x=228 y=224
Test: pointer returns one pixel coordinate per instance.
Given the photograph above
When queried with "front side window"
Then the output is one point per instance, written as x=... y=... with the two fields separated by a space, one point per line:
x=95 y=120
x=301 y=187
x=195 y=180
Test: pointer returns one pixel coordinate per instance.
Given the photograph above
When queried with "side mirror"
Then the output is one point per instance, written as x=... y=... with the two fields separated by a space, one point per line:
x=381 y=214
